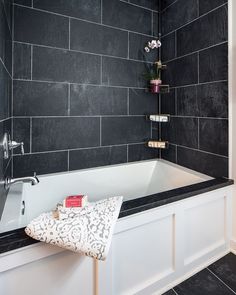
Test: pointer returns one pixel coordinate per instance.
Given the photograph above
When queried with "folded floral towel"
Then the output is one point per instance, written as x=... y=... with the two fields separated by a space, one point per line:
x=87 y=231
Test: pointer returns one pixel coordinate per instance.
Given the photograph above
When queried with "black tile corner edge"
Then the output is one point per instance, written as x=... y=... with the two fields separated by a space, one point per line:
x=17 y=238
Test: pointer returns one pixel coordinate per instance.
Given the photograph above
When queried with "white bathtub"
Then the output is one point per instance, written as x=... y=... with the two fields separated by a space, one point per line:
x=151 y=251
x=132 y=181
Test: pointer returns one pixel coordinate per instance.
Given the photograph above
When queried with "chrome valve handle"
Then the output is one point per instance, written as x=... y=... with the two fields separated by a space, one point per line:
x=8 y=145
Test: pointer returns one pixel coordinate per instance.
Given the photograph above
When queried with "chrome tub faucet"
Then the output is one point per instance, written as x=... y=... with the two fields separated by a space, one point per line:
x=30 y=179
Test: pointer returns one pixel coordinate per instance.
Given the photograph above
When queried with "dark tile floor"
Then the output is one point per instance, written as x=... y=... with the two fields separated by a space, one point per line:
x=217 y=279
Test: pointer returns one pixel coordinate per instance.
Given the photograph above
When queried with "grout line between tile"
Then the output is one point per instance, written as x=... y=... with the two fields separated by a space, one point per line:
x=5 y=67
x=196 y=52
x=80 y=19
x=69 y=33
x=193 y=20
x=200 y=151
x=69 y=101
x=87 y=84
x=162 y=10
x=140 y=6
x=198 y=133
x=31 y=62
x=84 y=52
x=101 y=11
x=128 y=102
x=198 y=67
x=31 y=123
x=83 y=148
x=221 y=280
x=100 y=131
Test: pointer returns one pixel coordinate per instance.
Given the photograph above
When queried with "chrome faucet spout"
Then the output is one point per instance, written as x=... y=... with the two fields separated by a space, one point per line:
x=31 y=179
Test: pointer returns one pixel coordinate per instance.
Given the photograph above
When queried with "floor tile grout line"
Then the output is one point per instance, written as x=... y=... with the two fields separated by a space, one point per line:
x=221 y=280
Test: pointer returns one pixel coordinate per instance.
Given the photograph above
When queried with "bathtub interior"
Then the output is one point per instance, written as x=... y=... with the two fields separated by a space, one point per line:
x=131 y=181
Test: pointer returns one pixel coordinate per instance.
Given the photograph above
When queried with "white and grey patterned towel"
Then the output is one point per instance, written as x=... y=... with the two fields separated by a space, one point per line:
x=88 y=231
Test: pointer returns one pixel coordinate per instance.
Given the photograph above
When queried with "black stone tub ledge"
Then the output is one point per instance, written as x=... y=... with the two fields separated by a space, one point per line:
x=15 y=239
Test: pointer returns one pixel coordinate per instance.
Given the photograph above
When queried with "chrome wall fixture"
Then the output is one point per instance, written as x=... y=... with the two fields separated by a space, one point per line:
x=159 y=118
x=8 y=145
x=158 y=144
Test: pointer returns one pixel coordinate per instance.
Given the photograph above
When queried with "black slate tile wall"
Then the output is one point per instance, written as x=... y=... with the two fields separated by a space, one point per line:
x=5 y=89
x=80 y=98
x=195 y=48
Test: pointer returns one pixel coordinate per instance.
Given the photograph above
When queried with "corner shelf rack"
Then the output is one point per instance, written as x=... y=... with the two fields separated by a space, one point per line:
x=160 y=118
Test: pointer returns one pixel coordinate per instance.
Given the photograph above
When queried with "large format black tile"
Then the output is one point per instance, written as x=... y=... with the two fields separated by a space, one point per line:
x=168 y=47
x=40 y=99
x=102 y=39
x=178 y=14
x=225 y=269
x=22 y=61
x=168 y=103
x=42 y=163
x=140 y=152
x=86 y=100
x=208 y=5
x=202 y=283
x=123 y=130
x=213 y=136
x=181 y=131
x=120 y=72
x=156 y=24
x=37 y=27
x=87 y=158
x=137 y=42
x=84 y=9
x=65 y=66
x=142 y=102
x=187 y=101
x=125 y=16
x=182 y=71
x=5 y=92
x=5 y=39
x=21 y=133
x=206 y=100
x=169 y=154
x=204 y=32
x=24 y=2
x=213 y=99
x=50 y=134
x=215 y=166
x=213 y=64
x=153 y=4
